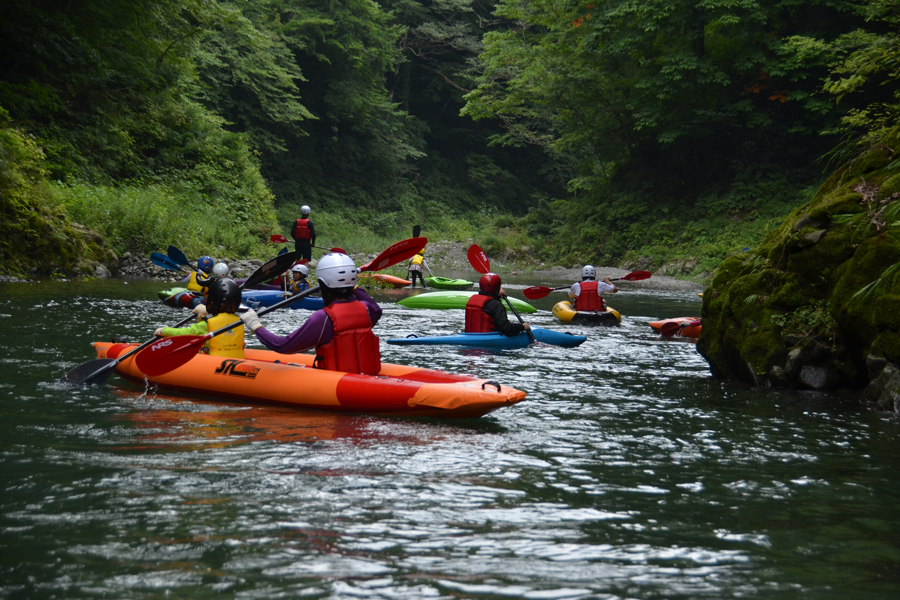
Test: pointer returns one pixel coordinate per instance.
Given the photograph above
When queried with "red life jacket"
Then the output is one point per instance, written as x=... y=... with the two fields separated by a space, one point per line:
x=478 y=321
x=588 y=299
x=301 y=230
x=354 y=348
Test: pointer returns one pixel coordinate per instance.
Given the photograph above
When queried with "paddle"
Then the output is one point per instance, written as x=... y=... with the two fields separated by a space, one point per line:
x=479 y=261
x=417 y=229
x=171 y=353
x=536 y=292
x=178 y=257
x=99 y=369
x=278 y=239
x=670 y=329
x=161 y=260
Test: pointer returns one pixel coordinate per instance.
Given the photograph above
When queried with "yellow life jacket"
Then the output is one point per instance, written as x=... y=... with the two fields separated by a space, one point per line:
x=230 y=343
x=417 y=259
x=192 y=283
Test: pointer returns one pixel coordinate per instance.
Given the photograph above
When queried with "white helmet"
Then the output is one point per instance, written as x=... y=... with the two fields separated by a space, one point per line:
x=304 y=210
x=588 y=273
x=300 y=269
x=220 y=270
x=337 y=271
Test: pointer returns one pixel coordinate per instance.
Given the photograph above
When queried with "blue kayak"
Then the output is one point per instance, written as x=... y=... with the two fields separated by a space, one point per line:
x=495 y=340
x=263 y=298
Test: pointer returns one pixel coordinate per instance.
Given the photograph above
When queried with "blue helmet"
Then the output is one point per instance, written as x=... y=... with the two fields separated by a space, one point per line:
x=205 y=264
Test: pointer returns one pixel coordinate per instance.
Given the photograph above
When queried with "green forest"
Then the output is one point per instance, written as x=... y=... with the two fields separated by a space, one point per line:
x=662 y=131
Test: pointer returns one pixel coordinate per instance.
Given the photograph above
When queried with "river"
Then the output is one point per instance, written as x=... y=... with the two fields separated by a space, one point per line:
x=628 y=472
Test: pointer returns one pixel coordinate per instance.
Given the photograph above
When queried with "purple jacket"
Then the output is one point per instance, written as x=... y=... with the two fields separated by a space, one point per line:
x=317 y=330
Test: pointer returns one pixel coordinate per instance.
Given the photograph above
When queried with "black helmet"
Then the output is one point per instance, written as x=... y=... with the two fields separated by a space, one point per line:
x=224 y=297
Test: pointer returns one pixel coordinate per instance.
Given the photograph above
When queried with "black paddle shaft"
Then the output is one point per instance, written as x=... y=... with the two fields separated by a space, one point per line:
x=515 y=312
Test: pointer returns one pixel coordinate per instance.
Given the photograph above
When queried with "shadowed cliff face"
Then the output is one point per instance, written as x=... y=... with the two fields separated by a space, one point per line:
x=797 y=312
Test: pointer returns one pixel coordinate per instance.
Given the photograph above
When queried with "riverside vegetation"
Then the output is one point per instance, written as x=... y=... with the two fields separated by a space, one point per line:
x=668 y=134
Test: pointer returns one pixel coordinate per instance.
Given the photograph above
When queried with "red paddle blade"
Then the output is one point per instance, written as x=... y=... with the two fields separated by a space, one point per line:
x=669 y=329
x=396 y=253
x=536 y=292
x=339 y=250
x=168 y=354
x=478 y=259
x=278 y=239
x=636 y=276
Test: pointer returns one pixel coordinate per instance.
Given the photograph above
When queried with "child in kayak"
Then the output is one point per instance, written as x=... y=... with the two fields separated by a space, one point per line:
x=341 y=332
x=196 y=281
x=224 y=299
x=585 y=296
x=485 y=312
x=299 y=284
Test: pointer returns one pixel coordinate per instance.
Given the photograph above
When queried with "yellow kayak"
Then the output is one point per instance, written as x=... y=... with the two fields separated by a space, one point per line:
x=566 y=314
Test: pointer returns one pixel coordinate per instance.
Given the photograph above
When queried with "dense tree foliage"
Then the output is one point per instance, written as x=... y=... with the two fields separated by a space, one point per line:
x=622 y=125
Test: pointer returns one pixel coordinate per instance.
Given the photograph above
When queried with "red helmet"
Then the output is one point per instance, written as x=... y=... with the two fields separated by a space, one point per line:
x=490 y=284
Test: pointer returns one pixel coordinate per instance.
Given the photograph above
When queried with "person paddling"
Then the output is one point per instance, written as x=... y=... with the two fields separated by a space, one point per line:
x=415 y=268
x=485 y=313
x=224 y=300
x=299 y=283
x=196 y=281
x=585 y=296
x=304 y=234
x=341 y=332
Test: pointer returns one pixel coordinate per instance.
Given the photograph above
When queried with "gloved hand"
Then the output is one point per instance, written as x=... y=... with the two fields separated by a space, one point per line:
x=200 y=310
x=159 y=332
x=251 y=320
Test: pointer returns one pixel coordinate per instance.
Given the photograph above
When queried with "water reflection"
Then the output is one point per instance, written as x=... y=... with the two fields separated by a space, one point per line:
x=627 y=473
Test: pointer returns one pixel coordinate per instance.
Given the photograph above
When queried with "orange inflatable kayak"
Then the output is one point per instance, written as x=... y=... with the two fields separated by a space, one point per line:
x=688 y=332
x=396 y=282
x=289 y=380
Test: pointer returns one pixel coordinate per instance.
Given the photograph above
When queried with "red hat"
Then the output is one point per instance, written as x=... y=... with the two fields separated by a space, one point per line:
x=490 y=284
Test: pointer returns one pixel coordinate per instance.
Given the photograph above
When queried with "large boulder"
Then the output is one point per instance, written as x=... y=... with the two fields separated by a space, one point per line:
x=817 y=305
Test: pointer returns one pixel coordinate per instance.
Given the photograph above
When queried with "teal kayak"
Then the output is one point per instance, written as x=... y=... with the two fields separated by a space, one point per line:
x=495 y=339
x=454 y=299
x=445 y=283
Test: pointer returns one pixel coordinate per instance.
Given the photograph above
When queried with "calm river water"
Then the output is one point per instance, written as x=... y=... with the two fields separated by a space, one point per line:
x=628 y=472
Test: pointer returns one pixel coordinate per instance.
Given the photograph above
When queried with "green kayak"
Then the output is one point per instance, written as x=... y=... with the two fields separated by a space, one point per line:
x=455 y=299
x=163 y=294
x=445 y=283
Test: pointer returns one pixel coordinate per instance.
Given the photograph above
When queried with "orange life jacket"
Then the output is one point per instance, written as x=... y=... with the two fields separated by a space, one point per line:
x=302 y=230
x=589 y=299
x=478 y=321
x=354 y=348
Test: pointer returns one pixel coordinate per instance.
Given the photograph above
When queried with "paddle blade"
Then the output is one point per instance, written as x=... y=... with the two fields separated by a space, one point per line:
x=283 y=250
x=417 y=229
x=278 y=239
x=337 y=250
x=634 y=276
x=478 y=259
x=178 y=256
x=168 y=354
x=396 y=253
x=669 y=329
x=161 y=260
x=94 y=371
x=273 y=268
x=536 y=292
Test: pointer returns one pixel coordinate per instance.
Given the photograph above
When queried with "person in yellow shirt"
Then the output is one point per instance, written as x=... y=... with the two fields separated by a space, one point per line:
x=224 y=300
x=415 y=268
x=197 y=280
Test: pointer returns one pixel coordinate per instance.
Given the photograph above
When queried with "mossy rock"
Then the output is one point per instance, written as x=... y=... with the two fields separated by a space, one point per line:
x=802 y=283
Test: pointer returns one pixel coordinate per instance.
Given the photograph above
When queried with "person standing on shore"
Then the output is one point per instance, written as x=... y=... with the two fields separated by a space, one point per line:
x=304 y=234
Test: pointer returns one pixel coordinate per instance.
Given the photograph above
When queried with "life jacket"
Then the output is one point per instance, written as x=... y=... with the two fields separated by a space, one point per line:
x=478 y=321
x=301 y=230
x=588 y=299
x=194 y=285
x=417 y=259
x=230 y=343
x=354 y=348
x=299 y=286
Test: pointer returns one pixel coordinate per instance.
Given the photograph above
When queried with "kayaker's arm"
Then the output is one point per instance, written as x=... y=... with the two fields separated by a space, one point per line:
x=495 y=310
x=375 y=311
x=201 y=328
